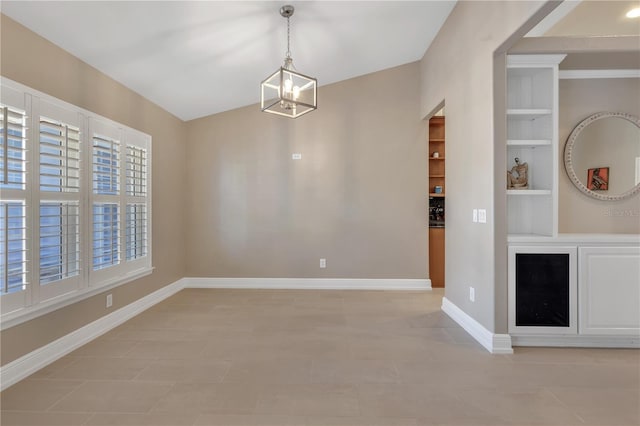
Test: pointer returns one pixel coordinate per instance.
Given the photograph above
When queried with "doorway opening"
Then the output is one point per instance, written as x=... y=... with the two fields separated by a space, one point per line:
x=437 y=197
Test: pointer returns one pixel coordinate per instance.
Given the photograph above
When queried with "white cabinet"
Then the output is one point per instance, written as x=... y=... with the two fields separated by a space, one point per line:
x=532 y=136
x=599 y=279
x=609 y=287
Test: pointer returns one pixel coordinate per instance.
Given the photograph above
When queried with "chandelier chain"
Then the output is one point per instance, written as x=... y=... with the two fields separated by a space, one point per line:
x=288 y=38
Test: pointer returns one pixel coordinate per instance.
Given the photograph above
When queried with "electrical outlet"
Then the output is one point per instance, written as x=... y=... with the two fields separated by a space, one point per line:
x=482 y=216
x=296 y=156
x=475 y=215
x=472 y=294
x=109 y=300
x=323 y=263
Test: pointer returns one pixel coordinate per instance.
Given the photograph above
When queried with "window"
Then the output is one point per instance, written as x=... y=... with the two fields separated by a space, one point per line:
x=75 y=204
x=59 y=199
x=14 y=246
x=12 y=147
x=59 y=241
x=106 y=241
x=106 y=165
x=14 y=212
x=106 y=190
x=119 y=200
x=59 y=156
x=136 y=231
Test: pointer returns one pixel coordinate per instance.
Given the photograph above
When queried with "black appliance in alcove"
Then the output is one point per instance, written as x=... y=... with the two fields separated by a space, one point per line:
x=542 y=289
x=436 y=212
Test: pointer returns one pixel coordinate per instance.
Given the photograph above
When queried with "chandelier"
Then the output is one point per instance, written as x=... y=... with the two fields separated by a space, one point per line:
x=287 y=92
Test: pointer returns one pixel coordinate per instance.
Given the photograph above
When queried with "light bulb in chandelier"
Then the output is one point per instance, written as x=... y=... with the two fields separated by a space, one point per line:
x=288 y=85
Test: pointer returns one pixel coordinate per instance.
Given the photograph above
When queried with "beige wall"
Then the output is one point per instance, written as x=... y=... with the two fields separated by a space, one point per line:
x=458 y=68
x=23 y=58
x=357 y=197
x=578 y=100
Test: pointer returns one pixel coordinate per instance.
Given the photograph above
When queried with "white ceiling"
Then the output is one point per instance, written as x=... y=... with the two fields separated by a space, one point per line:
x=196 y=58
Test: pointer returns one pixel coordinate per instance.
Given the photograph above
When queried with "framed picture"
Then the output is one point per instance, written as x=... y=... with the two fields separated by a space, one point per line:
x=598 y=179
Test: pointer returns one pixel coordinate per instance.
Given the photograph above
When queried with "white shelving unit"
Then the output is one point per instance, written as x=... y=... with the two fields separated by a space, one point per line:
x=602 y=305
x=532 y=136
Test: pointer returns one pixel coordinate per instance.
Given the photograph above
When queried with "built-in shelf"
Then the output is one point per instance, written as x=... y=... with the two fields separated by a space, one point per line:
x=436 y=170
x=528 y=142
x=528 y=192
x=532 y=137
x=529 y=111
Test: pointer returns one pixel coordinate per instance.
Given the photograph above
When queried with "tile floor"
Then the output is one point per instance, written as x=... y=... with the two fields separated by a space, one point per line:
x=257 y=357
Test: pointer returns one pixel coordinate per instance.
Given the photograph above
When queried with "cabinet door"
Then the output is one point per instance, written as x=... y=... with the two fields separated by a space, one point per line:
x=609 y=288
x=542 y=290
x=436 y=257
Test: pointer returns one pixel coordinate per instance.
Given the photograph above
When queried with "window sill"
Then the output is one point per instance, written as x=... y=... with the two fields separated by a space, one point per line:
x=13 y=318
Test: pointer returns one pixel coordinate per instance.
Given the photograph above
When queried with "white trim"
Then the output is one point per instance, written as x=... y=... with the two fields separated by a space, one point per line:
x=534 y=61
x=577 y=239
x=310 y=283
x=553 y=18
x=13 y=318
x=28 y=364
x=582 y=74
x=494 y=343
x=578 y=341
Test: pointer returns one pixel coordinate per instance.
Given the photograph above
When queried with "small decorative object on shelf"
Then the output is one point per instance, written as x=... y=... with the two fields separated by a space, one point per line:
x=436 y=154
x=517 y=177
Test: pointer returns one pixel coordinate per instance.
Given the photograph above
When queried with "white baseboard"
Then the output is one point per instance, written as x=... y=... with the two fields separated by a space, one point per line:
x=578 y=341
x=494 y=343
x=310 y=283
x=28 y=364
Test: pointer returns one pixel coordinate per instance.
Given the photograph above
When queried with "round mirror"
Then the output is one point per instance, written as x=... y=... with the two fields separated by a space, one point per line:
x=602 y=156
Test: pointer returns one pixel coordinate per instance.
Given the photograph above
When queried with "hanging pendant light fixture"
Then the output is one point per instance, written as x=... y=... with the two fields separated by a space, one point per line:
x=286 y=91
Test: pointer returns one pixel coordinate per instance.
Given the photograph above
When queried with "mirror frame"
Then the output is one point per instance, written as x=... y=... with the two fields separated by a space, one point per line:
x=571 y=143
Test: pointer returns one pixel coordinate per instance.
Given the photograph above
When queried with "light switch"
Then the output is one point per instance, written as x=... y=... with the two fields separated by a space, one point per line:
x=482 y=216
x=296 y=156
x=475 y=215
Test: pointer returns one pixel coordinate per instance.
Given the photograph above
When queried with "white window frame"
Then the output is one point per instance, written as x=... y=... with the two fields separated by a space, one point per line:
x=38 y=299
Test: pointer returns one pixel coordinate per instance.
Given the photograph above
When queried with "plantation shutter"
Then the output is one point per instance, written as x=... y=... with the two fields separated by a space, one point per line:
x=58 y=192
x=59 y=241
x=13 y=246
x=13 y=149
x=13 y=213
x=106 y=165
x=136 y=222
x=59 y=156
x=107 y=202
x=106 y=239
x=75 y=203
